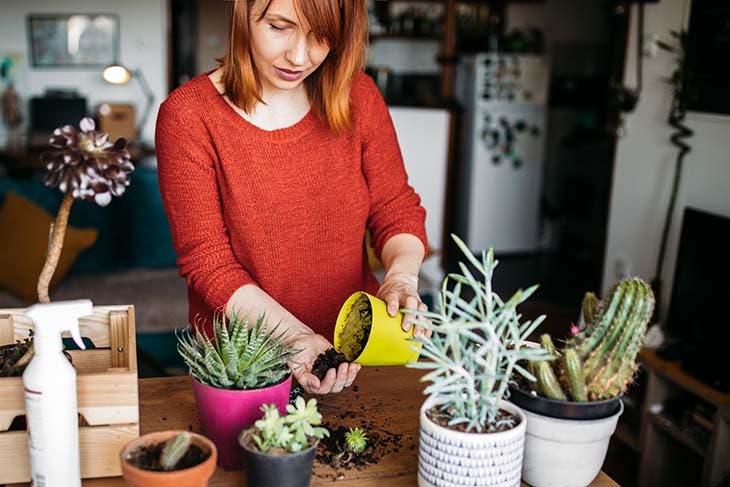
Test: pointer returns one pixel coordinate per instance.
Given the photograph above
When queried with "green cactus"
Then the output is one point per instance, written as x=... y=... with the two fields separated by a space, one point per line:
x=174 y=450
x=600 y=361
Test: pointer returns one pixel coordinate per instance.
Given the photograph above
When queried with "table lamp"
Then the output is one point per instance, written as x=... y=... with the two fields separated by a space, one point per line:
x=118 y=75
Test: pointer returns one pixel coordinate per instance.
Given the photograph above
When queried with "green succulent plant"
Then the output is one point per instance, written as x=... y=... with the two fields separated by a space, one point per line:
x=478 y=340
x=599 y=362
x=292 y=432
x=239 y=356
x=356 y=440
x=174 y=449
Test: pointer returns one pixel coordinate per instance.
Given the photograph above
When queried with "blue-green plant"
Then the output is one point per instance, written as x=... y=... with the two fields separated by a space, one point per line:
x=477 y=343
x=293 y=432
x=239 y=356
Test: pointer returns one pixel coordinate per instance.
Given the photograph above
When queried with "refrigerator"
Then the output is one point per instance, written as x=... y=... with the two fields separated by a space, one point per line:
x=504 y=98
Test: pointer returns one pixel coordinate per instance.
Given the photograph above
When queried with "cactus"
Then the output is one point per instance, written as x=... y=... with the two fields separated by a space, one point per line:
x=174 y=450
x=600 y=361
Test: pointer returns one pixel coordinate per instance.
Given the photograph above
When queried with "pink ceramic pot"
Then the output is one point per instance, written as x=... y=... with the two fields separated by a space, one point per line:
x=224 y=413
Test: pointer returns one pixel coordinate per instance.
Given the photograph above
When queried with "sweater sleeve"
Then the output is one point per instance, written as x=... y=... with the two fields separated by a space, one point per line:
x=395 y=207
x=187 y=177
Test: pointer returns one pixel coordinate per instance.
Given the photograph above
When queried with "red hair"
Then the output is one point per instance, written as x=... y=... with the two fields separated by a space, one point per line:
x=341 y=24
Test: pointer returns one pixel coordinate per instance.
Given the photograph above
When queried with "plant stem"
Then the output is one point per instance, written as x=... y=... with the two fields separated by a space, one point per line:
x=54 y=249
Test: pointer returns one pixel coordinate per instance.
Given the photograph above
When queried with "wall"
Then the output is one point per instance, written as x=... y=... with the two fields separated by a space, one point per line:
x=644 y=164
x=143 y=45
x=212 y=33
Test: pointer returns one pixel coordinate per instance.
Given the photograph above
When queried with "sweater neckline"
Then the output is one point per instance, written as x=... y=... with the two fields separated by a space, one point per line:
x=286 y=134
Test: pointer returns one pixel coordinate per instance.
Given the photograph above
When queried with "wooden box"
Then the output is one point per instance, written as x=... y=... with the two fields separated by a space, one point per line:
x=106 y=383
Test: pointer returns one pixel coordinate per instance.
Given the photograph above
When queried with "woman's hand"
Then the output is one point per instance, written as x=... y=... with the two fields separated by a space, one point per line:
x=311 y=345
x=400 y=290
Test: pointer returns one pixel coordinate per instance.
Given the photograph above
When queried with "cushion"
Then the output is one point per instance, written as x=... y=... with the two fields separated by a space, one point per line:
x=24 y=228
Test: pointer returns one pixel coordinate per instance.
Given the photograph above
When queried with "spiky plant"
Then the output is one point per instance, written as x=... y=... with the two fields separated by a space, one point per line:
x=174 y=449
x=356 y=440
x=292 y=432
x=239 y=356
x=478 y=340
x=600 y=361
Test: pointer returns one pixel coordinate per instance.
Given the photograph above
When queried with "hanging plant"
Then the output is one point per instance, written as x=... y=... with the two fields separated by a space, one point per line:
x=683 y=92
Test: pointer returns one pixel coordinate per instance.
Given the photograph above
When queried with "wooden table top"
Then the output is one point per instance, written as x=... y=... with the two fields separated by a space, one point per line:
x=388 y=397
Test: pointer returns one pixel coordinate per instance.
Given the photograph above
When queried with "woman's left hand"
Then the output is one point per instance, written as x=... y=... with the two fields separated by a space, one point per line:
x=400 y=290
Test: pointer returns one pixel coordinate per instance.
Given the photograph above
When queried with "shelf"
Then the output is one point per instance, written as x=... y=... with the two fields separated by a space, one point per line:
x=672 y=371
x=666 y=426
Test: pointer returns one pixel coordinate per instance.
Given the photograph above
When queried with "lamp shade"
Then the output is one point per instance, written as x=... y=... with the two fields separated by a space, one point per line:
x=116 y=74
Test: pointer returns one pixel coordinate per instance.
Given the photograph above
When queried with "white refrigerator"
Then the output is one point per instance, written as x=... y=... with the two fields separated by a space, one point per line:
x=504 y=99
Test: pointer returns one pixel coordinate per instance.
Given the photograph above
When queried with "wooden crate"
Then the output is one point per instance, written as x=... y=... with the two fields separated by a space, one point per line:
x=107 y=393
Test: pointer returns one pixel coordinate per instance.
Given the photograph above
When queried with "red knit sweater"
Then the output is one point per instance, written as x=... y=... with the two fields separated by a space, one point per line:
x=286 y=209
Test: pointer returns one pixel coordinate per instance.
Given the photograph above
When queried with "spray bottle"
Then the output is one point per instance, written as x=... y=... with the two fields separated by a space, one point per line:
x=50 y=395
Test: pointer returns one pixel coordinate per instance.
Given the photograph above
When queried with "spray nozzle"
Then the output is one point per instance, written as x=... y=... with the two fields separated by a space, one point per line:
x=50 y=320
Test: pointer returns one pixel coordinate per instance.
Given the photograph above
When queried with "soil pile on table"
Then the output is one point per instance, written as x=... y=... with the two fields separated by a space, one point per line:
x=333 y=451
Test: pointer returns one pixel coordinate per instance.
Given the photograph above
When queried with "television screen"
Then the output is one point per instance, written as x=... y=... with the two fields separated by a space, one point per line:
x=700 y=291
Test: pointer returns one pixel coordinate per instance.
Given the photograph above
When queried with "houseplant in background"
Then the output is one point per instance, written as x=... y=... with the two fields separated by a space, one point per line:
x=470 y=433
x=573 y=407
x=279 y=450
x=168 y=459
x=83 y=164
x=234 y=372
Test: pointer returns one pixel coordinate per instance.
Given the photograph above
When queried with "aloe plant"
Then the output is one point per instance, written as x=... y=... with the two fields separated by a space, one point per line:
x=292 y=432
x=600 y=361
x=477 y=341
x=239 y=356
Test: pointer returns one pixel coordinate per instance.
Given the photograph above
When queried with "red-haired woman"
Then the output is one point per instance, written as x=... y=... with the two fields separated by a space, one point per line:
x=272 y=168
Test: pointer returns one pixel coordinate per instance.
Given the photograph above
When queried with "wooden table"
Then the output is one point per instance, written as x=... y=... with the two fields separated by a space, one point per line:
x=388 y=397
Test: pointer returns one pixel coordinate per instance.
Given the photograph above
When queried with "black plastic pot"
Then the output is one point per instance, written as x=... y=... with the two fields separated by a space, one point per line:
x=564 y=409
x=283 y=470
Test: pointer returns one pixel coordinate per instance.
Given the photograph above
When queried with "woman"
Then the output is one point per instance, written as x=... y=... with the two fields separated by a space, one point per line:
x=273 y=166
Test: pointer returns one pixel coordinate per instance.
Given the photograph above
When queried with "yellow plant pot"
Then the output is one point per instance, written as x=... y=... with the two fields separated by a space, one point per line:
x=387 y=343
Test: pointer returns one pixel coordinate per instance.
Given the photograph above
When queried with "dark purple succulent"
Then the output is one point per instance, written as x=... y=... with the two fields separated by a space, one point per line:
x=87 y=164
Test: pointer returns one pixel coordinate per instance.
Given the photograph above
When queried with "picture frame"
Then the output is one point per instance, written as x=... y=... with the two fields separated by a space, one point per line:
x=73 y=40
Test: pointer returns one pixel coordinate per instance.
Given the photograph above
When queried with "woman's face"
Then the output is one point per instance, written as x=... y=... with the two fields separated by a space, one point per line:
x=284 y=49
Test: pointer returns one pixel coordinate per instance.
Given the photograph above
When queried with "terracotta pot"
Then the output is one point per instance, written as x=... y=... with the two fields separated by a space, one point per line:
x=196 y=476
x=224 y=413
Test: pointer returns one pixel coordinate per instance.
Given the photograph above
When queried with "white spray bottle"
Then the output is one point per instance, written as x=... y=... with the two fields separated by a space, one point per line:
x=50 y=395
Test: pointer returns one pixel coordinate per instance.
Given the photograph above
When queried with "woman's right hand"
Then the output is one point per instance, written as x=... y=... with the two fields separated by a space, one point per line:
x=310 y=346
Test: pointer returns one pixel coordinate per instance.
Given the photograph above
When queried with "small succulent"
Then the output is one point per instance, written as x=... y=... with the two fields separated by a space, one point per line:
x=239 y=356
x=86 y=164
x=174 y=449
x=356 y=440
x=600 y=361
x=477 y=342
x=292 y=432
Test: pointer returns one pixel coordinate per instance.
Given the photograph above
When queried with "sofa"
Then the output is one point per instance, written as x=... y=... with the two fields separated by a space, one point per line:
x=131 y=260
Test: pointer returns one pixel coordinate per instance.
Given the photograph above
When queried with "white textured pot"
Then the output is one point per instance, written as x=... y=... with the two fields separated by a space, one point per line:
x=565 y=452
x=449 y=458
